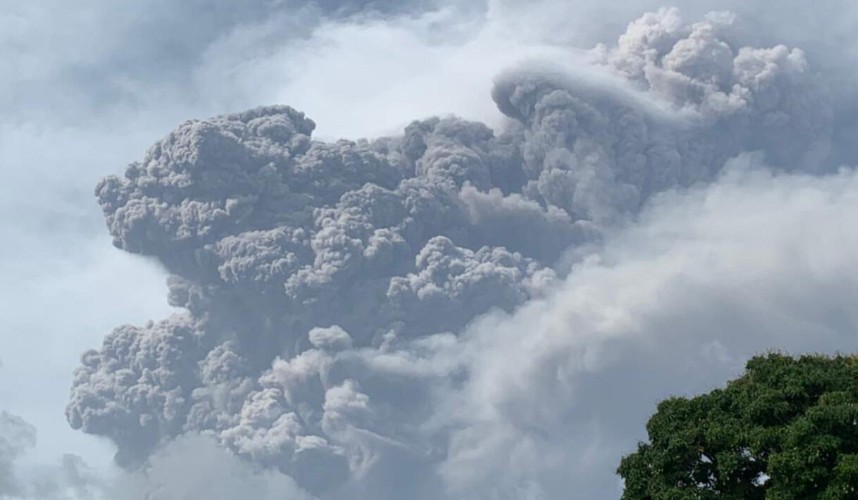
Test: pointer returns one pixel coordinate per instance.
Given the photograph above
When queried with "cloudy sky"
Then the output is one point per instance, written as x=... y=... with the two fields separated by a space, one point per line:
x=620 y=212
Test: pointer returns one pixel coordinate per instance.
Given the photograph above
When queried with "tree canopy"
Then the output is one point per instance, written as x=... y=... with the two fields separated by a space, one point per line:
x=786 y=429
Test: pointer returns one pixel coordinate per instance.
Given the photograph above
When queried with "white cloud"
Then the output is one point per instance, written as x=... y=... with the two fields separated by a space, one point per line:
x=674 y=304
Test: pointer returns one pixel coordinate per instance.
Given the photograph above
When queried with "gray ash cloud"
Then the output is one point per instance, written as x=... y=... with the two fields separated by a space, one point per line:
x=322 y=284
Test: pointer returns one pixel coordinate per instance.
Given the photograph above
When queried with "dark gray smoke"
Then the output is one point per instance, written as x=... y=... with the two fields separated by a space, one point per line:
x=322 y=285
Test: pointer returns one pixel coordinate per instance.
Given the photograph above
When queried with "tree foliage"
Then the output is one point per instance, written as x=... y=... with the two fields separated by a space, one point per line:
x=786 y=429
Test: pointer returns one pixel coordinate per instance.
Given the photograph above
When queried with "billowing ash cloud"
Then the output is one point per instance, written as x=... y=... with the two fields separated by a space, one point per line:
x=323 y=285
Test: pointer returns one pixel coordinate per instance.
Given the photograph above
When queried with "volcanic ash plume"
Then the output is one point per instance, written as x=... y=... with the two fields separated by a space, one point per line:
x=323 y=285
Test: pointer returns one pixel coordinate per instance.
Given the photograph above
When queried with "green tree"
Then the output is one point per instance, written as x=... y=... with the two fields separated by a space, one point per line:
x=787 y=429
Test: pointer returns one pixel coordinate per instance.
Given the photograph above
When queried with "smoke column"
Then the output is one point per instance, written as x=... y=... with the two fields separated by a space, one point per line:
x=327 y=292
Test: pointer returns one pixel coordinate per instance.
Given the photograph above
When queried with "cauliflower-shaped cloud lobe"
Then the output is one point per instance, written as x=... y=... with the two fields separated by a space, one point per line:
x=323 y=284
